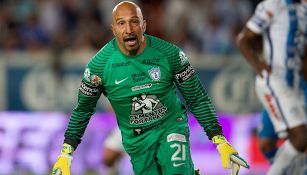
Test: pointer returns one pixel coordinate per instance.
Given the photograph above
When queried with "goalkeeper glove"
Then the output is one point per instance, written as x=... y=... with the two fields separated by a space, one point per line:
x=62 y=165
x=230 y=157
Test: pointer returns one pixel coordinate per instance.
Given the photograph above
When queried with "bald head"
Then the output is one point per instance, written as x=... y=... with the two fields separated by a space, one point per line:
x=126 y=6
x=128 y=27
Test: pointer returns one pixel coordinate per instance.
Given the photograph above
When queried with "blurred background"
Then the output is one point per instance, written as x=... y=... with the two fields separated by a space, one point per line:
x=44 y=46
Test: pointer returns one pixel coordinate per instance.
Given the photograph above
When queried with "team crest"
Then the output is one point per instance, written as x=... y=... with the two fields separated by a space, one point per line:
x=183 y=57
x=155 y=73
x=87 y=74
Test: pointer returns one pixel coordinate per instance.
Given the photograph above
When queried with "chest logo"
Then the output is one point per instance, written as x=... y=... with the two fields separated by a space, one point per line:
x=120 y=81
x=146 y=108
x=155 y=73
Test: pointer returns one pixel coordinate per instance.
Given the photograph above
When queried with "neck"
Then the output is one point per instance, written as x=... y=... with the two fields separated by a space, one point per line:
x=141 y=48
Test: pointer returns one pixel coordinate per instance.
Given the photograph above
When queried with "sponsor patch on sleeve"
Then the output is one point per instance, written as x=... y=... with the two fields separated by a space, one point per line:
x=185 y=73
x=88 y=90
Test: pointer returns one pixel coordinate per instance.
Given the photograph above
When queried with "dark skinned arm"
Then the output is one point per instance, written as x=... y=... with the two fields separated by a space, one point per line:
x=250 y=45
x=304 y=66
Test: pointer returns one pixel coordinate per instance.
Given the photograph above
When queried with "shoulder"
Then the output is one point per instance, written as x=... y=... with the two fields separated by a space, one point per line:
x=266 y=13
x=107 y=50
x=162 y=45
x=102 y=56
x=172 y=53
x=271 y=6
x=95 y=68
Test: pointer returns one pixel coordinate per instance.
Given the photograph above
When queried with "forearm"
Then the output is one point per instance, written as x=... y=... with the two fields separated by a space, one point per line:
x=203 y=109
x=304 y=65
x=199 y=103
x=80 y=118
x=195 y=95
x=204 y=112
x=250 y=47
x=77 y=125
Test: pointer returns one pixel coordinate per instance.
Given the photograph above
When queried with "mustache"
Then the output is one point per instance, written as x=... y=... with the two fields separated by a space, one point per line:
x=130 y=36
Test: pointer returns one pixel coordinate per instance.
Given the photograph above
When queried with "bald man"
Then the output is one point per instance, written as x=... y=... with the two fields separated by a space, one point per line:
x=139 y=73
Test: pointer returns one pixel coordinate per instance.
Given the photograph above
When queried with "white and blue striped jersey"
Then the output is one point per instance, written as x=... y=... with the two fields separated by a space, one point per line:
x=283 y=25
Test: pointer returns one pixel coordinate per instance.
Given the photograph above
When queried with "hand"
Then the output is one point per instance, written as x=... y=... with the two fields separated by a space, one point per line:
x=62 y=165
x=262 y=69
x=230 y=157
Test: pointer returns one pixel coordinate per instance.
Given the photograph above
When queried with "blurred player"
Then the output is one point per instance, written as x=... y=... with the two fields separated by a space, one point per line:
x=269 y=141
x=282 y=25
x=139 y=75
x=113 y=150
x=267 y=137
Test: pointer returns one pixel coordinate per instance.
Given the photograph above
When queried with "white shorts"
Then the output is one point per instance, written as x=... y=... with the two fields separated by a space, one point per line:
x=286 y=105
x=114 y=140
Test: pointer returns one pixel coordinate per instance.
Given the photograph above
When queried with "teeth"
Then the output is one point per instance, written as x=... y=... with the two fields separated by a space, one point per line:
x=131 y=42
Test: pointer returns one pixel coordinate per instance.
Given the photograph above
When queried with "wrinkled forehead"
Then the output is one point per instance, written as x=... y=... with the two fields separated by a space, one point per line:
x=126 y=10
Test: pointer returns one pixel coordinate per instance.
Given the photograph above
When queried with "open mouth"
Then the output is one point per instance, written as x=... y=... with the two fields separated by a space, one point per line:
x=130 y=40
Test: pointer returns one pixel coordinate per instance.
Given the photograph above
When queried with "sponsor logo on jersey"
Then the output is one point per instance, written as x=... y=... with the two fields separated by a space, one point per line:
x=177 y=165
x=143 y=86
x=155 y=73
x=176 y=137
x=88 y=90
x=146 y=108
x=183 y=58
x=184 y=74
x=120 y=81
x=96 y=80
x=150 y=61
x=122 y=64
x=137 y=77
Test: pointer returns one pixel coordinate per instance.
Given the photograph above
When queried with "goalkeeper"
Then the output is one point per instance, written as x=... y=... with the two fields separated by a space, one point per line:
x=138 y=73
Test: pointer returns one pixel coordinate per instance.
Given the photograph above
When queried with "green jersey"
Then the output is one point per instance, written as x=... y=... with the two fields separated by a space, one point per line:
x=142 y=92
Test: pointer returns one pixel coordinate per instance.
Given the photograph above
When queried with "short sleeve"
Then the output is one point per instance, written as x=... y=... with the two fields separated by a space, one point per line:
x=263 y=16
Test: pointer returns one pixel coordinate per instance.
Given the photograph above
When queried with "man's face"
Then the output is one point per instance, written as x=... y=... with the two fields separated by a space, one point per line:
x=128 y=27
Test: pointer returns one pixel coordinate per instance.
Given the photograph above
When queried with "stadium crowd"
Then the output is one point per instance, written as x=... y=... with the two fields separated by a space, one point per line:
x=201 y=26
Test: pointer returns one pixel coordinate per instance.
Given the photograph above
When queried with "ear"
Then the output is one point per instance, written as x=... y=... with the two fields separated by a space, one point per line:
x=144 y=25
